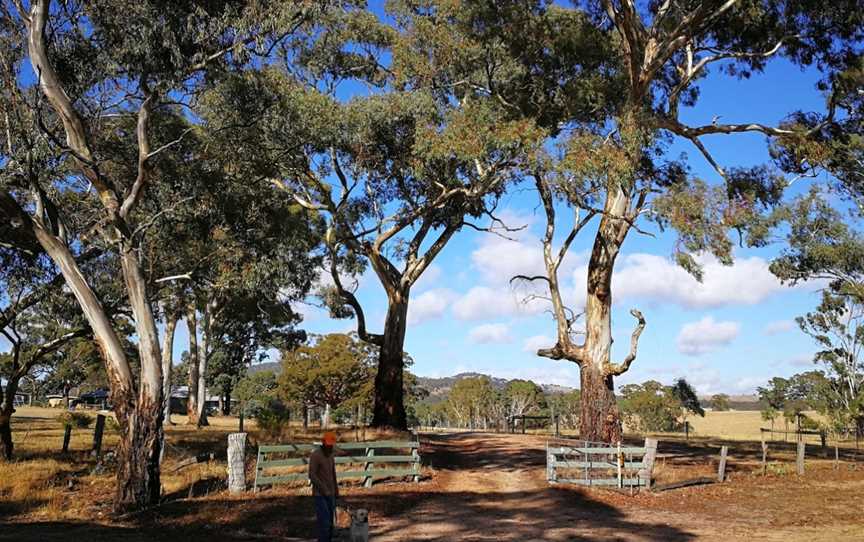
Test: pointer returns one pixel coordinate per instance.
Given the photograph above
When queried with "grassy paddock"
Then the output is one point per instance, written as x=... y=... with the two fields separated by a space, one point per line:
x=41 y=483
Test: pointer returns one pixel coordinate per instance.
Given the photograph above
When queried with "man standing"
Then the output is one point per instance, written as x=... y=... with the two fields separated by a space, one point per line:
x=322 y=474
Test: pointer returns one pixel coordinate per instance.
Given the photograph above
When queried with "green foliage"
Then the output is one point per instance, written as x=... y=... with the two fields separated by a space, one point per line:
x=686 y=395
x=523 y=397
x=775 y=394
x=75 y=419
x=255 y=392
x=651 y=406
x=837 y=326
x=720 y=402
x=567 y=407
x=330 y=370
x=821 y=245
x=273 y=417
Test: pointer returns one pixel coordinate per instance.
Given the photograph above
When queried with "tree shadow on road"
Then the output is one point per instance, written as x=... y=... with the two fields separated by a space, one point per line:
x=548 y=514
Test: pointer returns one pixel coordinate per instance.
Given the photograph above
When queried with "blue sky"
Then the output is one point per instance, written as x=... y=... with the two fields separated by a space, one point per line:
x=729 y=334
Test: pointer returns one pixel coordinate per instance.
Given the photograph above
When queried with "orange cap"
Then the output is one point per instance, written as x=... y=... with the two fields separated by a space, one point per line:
x=329 y=438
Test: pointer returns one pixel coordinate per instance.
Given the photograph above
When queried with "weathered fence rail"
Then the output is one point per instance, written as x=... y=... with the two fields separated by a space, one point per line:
x=600 y=464
x=359 y=459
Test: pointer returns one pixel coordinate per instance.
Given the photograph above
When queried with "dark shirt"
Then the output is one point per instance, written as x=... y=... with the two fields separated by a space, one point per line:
x=322 y=474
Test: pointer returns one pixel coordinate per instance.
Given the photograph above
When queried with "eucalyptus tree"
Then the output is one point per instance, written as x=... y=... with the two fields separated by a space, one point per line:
x=619 y=171
x=837 y=326
x=821 y=244
x=240 y=259
x=91 y=64
x=326 y=372
x=36 y=320
x=607 y=80
x=393 y=174
x=253 y=326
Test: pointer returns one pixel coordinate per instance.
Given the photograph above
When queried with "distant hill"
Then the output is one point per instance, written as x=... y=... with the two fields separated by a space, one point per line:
x=439 y=387
x=736 y=402
x=274 y=366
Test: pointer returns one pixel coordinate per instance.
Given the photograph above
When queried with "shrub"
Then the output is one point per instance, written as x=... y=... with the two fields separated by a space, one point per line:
x=273 y=418
x=75 y=419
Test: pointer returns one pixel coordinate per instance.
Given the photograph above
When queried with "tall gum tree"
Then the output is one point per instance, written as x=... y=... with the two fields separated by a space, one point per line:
x=393 y=176
x=664 y=49
x=612 y=168
x=90 y=64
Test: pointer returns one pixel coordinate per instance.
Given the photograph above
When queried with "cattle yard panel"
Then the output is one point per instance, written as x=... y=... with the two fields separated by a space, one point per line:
x=600 y=464
x=359 y=461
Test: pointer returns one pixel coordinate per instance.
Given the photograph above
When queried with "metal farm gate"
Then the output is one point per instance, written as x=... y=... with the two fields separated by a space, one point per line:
x=589 y=463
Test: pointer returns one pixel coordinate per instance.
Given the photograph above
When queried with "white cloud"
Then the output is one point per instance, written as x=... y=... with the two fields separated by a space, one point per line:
x=429 y=278
x=779 y=326
x=429 y=305
x=706 y=335
x=309 y=312
x=491 y=334
x=656 y=278
x=498 y=260
x=797 y=361
x=483 y=302
x=536 y=342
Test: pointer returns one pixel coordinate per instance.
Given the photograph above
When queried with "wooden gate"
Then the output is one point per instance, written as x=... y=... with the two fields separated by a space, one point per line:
x=599 y=463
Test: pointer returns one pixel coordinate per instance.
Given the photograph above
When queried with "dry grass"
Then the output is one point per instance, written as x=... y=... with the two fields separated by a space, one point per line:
x=475 y=487
x=36 y=485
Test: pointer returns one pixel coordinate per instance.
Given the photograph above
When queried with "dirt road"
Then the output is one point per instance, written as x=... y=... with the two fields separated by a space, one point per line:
x=487 y=487
x=493 y=487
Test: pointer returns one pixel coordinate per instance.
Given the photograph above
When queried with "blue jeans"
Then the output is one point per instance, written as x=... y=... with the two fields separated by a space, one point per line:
x=325 y=509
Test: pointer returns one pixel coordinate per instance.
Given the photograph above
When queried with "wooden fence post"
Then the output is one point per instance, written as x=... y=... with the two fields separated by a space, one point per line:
x=647 y=471
x=620 y=462
x=686 y=430
x=836 y=457
x=415 y=453
x=237 y=463
x=764 y=457
x=368 y=466
x=721 y=469
x=550 y=465
x=97 y=434
x=800 y=461
x=67 y=434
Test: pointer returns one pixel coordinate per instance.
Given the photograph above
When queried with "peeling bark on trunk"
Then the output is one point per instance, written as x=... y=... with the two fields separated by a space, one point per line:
x=389 y=410
x=138 y=456
x=599 y=418
x=192 y=397
x=7 y=407
x=140 y=418
x=140 y=447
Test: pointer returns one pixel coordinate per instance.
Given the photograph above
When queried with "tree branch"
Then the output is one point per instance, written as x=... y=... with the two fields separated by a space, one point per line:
x=354 y=303
x=142 y=132
x=616 y=369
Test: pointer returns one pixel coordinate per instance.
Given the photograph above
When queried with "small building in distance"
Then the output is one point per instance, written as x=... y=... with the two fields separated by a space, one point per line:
x=180 y=398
